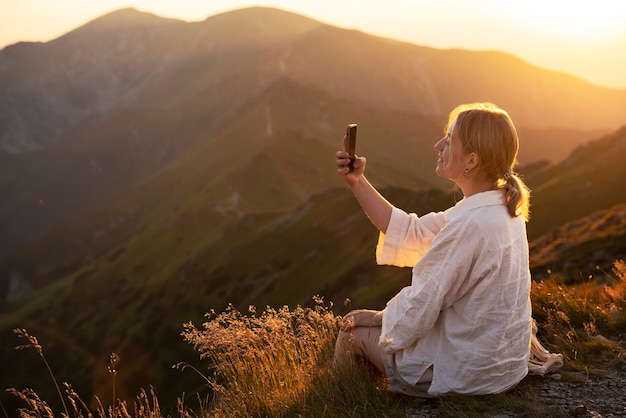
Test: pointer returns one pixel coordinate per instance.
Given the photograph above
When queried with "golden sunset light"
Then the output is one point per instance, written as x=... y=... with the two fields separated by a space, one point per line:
x=190 y=225
x=587 y=39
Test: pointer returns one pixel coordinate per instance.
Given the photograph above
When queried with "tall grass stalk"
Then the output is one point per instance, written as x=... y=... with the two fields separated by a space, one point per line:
x=145 y=405
x=112 y=368
x=4 y=411
x=34 y=343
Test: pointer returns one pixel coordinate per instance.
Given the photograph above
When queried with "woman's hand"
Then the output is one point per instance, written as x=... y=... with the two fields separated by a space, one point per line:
x=343 y=162
x=362 y=318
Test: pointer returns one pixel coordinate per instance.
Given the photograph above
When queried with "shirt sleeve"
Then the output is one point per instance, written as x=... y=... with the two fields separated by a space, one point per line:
x=408 y=237
x=436 y=283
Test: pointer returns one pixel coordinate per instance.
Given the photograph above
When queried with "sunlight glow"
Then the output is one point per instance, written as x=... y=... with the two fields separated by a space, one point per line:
x=571 y=21
x=580 y=37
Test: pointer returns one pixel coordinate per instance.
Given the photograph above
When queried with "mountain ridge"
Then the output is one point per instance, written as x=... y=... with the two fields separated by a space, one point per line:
x=167 y=48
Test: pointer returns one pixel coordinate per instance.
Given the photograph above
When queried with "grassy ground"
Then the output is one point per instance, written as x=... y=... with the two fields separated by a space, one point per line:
x=278 y=363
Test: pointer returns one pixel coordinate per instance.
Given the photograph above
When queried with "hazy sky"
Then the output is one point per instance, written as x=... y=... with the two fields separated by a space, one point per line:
x=585 y=38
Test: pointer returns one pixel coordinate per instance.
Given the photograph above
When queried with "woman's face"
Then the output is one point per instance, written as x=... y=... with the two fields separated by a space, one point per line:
x=450 y=163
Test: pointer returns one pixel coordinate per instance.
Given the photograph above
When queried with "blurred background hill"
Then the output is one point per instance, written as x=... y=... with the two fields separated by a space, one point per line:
x=152 y=170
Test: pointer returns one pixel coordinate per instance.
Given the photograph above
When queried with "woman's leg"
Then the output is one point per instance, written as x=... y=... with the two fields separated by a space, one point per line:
x=359 y=343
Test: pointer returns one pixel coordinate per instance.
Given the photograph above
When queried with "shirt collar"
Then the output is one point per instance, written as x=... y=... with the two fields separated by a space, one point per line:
x=488 y=198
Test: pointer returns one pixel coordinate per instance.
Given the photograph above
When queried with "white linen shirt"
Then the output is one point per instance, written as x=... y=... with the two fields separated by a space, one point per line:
x=467 y=312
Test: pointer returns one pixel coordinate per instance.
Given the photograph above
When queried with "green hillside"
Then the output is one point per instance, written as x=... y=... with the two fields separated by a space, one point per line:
x=582 y=249
x=137 y=295
x=590 y=179
x=125 y=277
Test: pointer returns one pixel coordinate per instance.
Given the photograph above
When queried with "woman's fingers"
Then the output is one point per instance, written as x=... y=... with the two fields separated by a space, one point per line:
x=342 y=161
x=359 y=318
x=342 y=155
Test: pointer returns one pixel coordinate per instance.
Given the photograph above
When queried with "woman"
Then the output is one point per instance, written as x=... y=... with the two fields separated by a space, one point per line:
x=464 y=324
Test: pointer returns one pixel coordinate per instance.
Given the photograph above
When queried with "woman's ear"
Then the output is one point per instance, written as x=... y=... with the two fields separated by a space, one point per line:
x=472 y=161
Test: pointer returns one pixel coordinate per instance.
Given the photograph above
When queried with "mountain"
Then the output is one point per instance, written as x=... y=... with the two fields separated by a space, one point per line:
x=109 y=105
x=153 y=170
x=132 y=59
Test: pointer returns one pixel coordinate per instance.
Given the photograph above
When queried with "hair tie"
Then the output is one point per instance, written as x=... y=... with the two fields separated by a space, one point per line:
x=508 y=175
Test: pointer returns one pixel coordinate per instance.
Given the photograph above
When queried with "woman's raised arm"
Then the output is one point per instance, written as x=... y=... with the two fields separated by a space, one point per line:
x=376 y=207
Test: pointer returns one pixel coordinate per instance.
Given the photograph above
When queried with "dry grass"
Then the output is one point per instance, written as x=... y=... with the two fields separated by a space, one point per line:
x=146 y=405
x=278 y=363
x=265 y=365
x=581 y=320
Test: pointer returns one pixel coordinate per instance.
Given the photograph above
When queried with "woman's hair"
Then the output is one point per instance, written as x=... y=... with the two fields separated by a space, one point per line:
x=488 y=131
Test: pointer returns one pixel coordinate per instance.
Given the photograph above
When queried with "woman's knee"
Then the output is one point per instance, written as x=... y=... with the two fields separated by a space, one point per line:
x=344 y=349
x=359 y=343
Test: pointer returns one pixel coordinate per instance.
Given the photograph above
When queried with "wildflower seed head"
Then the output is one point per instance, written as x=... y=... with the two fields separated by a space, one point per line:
x=113 y=360
x=32 y=340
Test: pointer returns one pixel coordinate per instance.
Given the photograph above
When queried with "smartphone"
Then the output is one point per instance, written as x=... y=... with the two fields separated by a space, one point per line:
x=351 y=143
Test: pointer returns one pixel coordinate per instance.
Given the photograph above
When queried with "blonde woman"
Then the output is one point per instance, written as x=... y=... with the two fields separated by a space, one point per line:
x=464 y=324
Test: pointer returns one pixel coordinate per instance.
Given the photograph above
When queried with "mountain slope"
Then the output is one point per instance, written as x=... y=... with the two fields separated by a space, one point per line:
x=110 y=105
x=590 y=179
x=388 y=74
x=244 y=168
x=584 y=248
x=191 y=261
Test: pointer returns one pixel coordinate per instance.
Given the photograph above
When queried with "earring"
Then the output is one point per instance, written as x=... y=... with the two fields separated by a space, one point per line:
x=465 y=173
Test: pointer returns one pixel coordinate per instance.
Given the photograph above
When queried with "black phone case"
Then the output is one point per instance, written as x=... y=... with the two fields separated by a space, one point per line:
x=351 y=143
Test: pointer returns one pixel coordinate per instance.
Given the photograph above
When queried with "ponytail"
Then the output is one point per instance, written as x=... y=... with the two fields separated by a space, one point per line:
x=517 y=195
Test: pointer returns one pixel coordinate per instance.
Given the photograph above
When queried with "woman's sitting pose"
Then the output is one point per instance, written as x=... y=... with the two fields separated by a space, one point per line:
x=464 y=324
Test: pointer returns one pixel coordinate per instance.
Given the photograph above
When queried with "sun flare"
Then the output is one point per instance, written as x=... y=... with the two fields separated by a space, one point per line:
x=573 y=21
